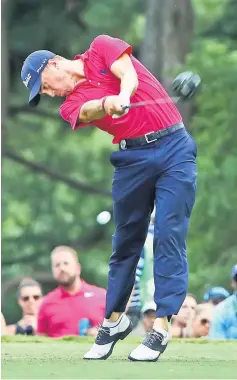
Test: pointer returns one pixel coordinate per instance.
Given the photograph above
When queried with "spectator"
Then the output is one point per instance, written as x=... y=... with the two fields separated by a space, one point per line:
x=181 y=324
x=74 y=305
x=149 y=316
x=29 y=296
x=234 y=278
x=3 y=325
x=216 y=295
x=202 y=319
x=224 y=322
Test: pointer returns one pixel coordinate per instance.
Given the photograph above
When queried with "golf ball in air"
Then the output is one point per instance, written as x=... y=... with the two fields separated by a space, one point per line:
x=104 y=217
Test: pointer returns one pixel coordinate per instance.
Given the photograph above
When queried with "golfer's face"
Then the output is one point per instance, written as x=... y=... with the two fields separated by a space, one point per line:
x=55 y=79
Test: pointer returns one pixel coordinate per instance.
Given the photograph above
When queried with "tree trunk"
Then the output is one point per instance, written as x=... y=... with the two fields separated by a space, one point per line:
x=167 y=40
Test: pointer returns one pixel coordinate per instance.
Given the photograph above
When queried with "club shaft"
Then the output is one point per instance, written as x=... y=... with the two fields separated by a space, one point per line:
x=155 y=101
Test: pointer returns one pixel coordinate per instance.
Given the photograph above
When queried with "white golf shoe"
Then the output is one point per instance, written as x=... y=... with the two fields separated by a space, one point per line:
x=152 y=346
x=107 y=337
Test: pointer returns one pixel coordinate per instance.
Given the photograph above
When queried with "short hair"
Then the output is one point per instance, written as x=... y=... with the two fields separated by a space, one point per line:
x=57 y=58
x=192 y=296
x=25 y=282
x=65 y=248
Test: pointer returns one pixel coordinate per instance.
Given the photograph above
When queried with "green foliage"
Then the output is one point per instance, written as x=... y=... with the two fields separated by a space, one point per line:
x=213 y=243
x=217 y=20
x=207 y=12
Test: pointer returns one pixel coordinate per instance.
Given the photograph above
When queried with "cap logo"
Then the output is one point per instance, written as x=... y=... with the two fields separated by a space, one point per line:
x=41 y=66
x=27 y=79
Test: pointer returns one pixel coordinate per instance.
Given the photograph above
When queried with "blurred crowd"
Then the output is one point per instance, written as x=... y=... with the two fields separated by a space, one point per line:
x=215 y=317
x=77 y=308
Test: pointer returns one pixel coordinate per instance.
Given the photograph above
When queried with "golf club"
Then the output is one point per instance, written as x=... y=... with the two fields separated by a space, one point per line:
x=174 y=99
x=144 y=103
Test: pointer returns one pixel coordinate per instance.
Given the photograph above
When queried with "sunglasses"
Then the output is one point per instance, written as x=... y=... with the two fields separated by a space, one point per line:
x=204 y=321
x=27 y=298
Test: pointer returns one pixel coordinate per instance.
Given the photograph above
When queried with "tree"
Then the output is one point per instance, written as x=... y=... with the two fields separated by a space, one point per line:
x=167 y=40
x=223 y=27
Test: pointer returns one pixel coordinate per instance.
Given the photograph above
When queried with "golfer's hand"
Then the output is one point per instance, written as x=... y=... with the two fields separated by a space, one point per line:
x=116 y=105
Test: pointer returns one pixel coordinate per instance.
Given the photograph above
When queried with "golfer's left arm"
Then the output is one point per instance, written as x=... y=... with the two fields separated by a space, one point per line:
x=123 y=69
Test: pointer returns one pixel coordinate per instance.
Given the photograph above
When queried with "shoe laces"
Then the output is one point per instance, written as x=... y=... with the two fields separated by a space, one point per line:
x=153 y=336
x=101 y=331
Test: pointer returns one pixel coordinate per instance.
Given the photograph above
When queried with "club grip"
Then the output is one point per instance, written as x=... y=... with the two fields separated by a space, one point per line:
x=118 y=116
x=125 y=107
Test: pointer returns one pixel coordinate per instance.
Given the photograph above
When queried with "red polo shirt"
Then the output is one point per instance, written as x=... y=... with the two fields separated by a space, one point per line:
x=100 y=81
x=60 y=312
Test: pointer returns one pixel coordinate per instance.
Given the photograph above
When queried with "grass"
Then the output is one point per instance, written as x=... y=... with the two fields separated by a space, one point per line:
x=43 y=358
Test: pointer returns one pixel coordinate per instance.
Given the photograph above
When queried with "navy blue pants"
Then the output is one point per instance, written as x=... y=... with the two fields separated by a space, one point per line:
x=161 y=173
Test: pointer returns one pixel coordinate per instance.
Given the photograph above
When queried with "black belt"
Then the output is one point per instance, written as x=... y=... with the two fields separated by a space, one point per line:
x=149 y=137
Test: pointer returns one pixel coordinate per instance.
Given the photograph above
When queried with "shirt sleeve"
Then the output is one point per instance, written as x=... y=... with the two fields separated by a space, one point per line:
x=70 y=111
x=42 y=324
x=110 y=48
x=217 y=328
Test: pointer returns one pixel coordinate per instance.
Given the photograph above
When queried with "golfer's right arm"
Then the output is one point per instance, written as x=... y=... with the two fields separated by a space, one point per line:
x=92 y=110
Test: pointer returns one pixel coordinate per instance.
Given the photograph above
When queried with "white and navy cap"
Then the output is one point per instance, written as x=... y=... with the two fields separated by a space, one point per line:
x=31 y=73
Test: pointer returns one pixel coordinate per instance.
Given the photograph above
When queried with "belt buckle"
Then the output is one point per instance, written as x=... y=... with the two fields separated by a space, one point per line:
x=123 y=144
x=149 y=141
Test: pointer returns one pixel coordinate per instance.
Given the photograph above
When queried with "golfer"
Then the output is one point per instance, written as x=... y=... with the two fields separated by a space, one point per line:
x=155 y=164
